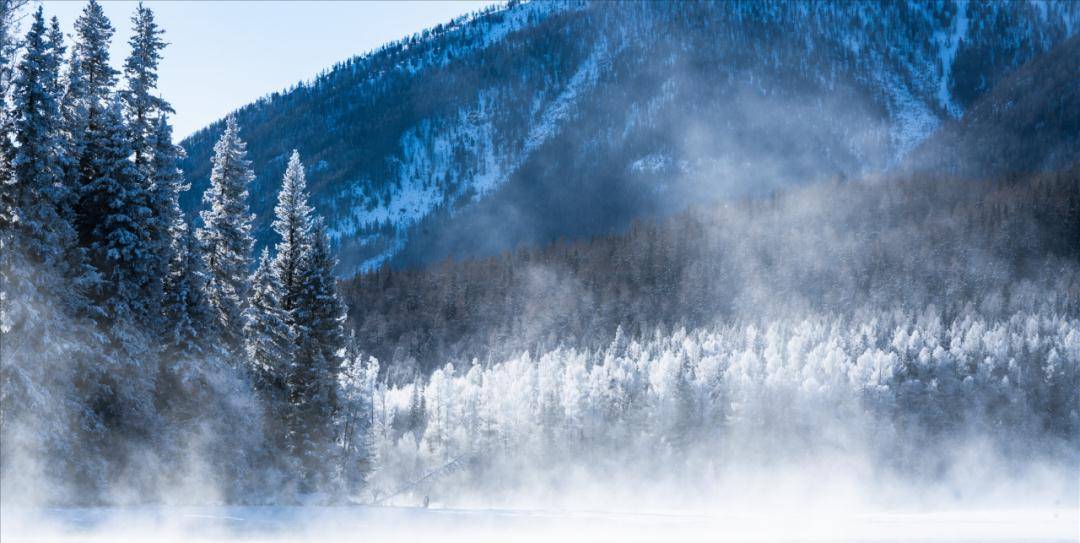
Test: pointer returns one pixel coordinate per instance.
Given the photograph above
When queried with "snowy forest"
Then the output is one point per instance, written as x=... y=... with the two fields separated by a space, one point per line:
x=919 y=326
x=134 y=342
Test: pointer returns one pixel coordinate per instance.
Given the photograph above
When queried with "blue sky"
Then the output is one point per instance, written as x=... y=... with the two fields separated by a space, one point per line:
x=222 y=55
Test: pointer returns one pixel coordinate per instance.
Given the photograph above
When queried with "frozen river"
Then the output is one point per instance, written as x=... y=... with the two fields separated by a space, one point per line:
x=472 y=525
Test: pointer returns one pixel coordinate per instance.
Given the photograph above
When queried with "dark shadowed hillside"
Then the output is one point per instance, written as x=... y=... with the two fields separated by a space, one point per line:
x=1029 y=122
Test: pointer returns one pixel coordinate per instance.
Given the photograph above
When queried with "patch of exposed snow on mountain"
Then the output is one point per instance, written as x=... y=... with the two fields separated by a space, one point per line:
x=378 y=260
x=563 y=104
x=912 y=118
x=948 y=44
x=651 y=163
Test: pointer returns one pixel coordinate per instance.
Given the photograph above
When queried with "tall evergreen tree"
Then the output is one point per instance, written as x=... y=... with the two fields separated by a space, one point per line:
x=37 y=341
x=143 y=108
x=70 y=137
x=270 y=341
x=168 y=180
x=55 y=40
x=187 y=315
x=292 y=221
x=144 y=113
x=188 y=355
x=88 y=95
x=93 y=32
x=328 y=312
x=113 y=213
x=113 y=209
x=320 y=352
x=270 y=350
x=226 y=237
x=75 y=114
x=37 y=188
x=186 y=308
x=163 y=181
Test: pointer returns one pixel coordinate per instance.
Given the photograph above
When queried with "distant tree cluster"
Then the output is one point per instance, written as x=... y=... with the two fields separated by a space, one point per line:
x=902 y=390
x=134 y=344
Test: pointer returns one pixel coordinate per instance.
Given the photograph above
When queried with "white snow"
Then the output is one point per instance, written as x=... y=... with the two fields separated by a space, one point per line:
x=651 y=163
x=376 y=524
x=912 y=118
x=562 y=106
x=948 y=44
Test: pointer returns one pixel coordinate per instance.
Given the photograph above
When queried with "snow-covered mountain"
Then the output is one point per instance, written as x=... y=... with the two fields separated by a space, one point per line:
x=539 y=120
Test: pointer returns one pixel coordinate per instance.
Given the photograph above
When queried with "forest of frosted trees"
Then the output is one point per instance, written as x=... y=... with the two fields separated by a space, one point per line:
x=153 y=356
x=899 y=326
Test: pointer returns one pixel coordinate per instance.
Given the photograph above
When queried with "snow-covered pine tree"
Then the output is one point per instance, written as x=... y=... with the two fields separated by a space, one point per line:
x=167 y=224
x=186 y=308
x=168 y=183
x=75 y=112
x=187 y=356
x=270 y=348
x=36 y=188
x=113 y=210
x=356 y=391
x=143 y=110
x=292 y=221
x=55 y=39
x=39 y=198
x=93 y=32
x=328 y=312
x=71 y=130
x=321 y=346
x=36 y=357
x=186 y=313
x=270 y=339
x=226 y=238
x=88 y=95
x=311 y=381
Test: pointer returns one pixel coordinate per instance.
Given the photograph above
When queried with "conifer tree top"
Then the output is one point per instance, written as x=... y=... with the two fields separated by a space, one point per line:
x=94 y=32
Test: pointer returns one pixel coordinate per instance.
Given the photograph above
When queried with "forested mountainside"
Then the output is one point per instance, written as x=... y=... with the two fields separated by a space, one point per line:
x=999 y=205
x=539 y=120
x=829 y=249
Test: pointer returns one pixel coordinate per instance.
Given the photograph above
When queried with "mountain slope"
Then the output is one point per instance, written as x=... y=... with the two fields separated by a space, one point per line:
x=1029 y=122
x=542 y=120
x=988 y=204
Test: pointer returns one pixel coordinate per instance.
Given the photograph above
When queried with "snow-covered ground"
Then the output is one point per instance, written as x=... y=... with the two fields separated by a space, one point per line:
x=414 y=524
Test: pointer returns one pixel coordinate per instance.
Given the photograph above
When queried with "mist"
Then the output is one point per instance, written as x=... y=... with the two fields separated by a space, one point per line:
x=748 y=293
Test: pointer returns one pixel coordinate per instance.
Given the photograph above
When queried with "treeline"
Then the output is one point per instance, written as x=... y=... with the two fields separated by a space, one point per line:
x=139 y=352
x=902 y=243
